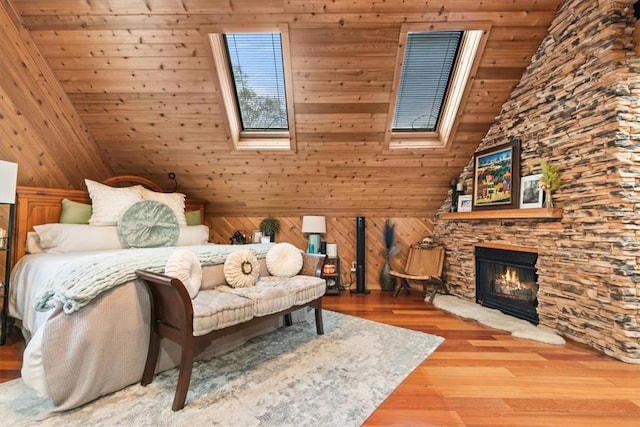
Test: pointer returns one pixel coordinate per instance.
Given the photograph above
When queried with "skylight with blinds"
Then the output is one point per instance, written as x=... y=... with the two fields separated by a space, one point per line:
x=427 y=69
x=253 y=66
x=258 y=79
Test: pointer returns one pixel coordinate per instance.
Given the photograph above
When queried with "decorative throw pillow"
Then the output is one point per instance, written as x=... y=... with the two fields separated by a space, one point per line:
x=193 y=218
x=109 y=202
x=62 y=238
x=174 y=200
x=284 y=260
x=193 y=235
x=184 y=265
x=75 y=212
x=241 y=269
x=148 y=224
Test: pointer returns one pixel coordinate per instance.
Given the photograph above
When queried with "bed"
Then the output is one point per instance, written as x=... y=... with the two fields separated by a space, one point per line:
x=77 y=353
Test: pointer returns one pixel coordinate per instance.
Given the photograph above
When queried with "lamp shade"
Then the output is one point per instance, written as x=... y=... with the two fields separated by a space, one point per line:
x=314 y=224
x=8 y=180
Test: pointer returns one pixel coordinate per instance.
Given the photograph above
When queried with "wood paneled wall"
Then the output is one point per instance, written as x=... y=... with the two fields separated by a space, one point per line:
x=39 y=127
x=340 y=230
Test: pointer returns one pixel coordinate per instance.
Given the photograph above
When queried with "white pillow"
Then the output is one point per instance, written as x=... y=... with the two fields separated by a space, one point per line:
x=33 y=243
x=61 y=238
x=284 y=260
x=174 y=200
x=184 y=265
x=107 y=203
x=193 y=235
x=241 y=269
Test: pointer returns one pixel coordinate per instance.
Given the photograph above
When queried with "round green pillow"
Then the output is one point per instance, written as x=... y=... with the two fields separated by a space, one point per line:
x=148 y=224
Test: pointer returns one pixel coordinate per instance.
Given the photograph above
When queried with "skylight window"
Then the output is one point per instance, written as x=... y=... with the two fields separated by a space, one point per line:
x=258 y=78
x=253 y=69
x=426 y=72
x=432 y=71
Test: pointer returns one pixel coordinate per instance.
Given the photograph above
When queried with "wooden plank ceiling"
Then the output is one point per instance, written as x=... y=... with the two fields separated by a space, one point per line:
x=140 y=75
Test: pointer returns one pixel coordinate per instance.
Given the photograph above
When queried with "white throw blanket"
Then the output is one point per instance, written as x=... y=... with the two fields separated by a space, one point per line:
x=77 y=282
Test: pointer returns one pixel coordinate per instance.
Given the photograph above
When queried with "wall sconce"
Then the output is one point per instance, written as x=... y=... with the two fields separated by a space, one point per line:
x=172 y=176
x=314 y=226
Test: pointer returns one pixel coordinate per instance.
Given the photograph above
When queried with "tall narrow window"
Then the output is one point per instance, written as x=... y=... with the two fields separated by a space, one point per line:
x=428 y=63
x=258 y=79
x=433 y=67
x=254 y=72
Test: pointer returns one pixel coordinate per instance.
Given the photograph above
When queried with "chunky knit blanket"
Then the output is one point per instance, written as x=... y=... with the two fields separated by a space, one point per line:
x=79 y=281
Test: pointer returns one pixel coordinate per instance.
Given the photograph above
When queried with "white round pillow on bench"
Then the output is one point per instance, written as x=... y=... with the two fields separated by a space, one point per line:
x=184 y=265
x=284 y=260
x=241 y=269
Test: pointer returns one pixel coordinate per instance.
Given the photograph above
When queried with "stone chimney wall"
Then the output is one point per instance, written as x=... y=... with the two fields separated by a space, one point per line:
x=578 y=107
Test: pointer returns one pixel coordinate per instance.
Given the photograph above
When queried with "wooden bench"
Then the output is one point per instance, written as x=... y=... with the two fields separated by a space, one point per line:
x=172 y=317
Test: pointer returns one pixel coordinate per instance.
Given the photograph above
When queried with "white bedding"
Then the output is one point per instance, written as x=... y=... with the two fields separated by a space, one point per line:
x=75 y=358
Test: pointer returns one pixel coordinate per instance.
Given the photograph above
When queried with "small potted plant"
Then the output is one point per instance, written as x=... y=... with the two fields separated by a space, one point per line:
x=270 y=226
x=549 y=182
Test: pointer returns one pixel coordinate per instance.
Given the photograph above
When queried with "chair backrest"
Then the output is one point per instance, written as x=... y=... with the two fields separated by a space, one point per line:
x=425 y=261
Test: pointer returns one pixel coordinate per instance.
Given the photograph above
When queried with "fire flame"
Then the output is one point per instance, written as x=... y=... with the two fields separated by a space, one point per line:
x=511 y=275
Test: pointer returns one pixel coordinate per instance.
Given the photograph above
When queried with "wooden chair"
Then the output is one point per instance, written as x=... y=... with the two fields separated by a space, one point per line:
x=424 y=264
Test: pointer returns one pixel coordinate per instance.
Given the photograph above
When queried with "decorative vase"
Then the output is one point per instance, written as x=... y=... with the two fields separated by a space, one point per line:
x=387 y=281
x=548 y=200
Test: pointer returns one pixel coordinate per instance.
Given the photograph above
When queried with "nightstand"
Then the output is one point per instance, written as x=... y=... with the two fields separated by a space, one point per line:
x=331 y=273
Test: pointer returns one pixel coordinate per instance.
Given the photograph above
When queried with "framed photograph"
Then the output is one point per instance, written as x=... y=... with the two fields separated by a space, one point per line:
x=496 y=173
x=464 y=203
x=530 y=193
x=256 y=236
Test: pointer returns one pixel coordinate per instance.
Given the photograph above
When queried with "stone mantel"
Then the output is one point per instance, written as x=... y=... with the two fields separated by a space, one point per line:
x=537 y=213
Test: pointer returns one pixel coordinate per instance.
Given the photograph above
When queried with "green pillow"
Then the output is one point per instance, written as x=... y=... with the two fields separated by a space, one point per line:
x=148 y=224
x=74 y=212
x=193 y=218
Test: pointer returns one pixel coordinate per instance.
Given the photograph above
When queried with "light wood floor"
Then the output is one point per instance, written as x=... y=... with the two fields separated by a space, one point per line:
x=479 y=376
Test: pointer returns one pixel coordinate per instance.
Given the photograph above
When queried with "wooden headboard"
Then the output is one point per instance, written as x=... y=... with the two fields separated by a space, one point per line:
x=38 y=205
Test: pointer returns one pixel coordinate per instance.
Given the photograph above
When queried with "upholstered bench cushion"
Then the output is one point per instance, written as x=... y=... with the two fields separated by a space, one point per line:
x=267 y=300
x=306 y=288
x=218 y=310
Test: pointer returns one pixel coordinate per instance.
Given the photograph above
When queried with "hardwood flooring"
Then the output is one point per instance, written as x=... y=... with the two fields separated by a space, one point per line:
x=479 y=376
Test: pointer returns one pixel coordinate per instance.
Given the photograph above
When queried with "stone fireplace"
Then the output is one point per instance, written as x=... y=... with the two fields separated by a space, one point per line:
x=507 y=280
x=575 y=107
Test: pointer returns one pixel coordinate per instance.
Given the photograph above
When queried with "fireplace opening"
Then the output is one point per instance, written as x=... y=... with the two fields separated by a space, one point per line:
x=507 y=280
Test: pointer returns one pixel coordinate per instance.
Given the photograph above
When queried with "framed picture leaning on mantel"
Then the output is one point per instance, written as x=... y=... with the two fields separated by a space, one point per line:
x=496 y=177
x=530 y=192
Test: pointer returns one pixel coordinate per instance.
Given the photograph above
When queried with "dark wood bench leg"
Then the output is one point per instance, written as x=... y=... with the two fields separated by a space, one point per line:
x=319 y=324
x=152 y=357
x=184 y=377
x=288 y=321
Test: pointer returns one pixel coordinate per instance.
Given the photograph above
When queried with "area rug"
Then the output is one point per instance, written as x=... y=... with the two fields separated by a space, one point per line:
x=290 y=377
x=496 y=319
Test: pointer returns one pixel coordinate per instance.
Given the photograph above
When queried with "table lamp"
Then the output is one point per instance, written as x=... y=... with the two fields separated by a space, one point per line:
x=314 y=226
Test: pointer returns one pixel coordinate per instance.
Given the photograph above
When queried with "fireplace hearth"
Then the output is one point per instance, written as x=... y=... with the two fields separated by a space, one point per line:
x=507 y=280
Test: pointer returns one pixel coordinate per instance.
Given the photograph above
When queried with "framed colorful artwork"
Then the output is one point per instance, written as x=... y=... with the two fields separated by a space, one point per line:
x=496 y=173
